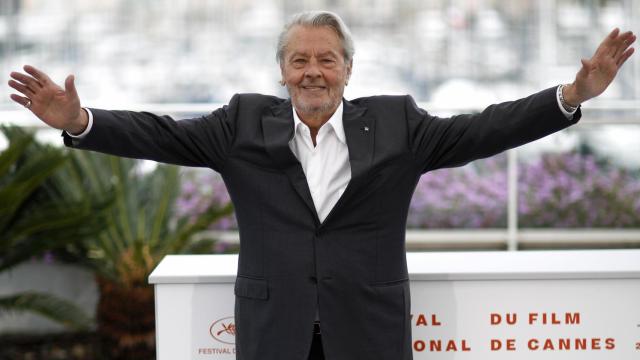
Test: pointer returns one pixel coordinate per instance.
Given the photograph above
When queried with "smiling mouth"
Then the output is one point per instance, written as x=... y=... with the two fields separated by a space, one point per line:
x=316 y=88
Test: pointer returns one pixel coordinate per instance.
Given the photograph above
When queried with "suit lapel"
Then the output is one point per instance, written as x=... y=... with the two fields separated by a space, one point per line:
x=277 y=125
x=359 y=130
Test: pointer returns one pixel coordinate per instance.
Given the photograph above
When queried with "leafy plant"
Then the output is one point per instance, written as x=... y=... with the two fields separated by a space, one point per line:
x=142 y=225
x=33 y=219
x=46 y=305
x=142 y=228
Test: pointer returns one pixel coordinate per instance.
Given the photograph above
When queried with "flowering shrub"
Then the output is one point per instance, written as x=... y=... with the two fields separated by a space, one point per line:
x=574 y=190
x=556 y=190
x=473 y=196
x=202 y=189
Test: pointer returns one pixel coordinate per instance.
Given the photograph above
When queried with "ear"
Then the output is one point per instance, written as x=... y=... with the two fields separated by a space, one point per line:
x=282 y=77
x=349 y=66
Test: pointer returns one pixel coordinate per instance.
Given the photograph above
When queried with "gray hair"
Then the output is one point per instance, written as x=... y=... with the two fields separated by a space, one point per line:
x=317 y=19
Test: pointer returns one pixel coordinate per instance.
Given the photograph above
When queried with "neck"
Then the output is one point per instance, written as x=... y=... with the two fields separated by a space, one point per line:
x=315 y=119
x=314 y=122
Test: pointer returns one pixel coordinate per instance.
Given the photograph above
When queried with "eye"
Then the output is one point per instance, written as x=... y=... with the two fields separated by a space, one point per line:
x=328 y=62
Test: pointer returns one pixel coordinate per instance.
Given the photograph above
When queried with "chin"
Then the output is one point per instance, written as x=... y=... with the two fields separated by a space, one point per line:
x=313 y=106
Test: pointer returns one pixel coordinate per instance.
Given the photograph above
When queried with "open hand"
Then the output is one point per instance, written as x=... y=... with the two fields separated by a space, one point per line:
x=57 y=107
x=598 y=72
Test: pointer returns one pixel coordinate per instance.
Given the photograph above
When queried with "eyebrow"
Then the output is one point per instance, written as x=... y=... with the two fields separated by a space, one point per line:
x=325 y=53
x=330 y=52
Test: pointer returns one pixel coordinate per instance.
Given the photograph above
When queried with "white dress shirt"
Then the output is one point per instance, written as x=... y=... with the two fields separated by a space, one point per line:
x=326 y=165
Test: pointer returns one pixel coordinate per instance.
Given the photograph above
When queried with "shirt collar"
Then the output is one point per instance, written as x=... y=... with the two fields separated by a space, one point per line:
x=335 y=121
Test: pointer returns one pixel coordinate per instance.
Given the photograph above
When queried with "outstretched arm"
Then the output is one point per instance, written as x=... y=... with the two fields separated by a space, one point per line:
x=201 y=141
x=55 y=106
x=457 y=140
x=598 y=72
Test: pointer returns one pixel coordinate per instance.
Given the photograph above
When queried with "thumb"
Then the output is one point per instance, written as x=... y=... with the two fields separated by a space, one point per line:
x=70 y=87
x=586 y=67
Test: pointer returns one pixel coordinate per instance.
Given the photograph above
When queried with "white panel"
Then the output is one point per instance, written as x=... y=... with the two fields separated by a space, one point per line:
x=185 y=316
x=598 y=309
x=453 y=298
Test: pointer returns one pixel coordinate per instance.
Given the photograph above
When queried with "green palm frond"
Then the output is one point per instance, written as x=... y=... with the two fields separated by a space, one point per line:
x=141 y=227
x=35 y=216
x=137 y=226
x=20 y=177
x=49 y=306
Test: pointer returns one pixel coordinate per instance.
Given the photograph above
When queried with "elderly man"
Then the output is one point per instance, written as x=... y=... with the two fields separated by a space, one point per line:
x=321 y=185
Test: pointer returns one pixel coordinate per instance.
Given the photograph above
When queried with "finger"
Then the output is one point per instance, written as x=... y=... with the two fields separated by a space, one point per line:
x=624 y=41
x=608 y=42
x=613 y=34
x=36 y=73
x=20 y=99
x=629 y=41
x=613 y=45
x=627 y=54
x=622 y=36
x=22 y=88
x=70 y=87
x=26 y=80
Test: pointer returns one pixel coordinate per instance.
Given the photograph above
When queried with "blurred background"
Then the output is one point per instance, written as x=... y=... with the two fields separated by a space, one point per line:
x=117 y=218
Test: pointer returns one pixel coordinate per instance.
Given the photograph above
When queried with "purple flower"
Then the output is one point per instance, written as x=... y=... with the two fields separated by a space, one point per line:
x=202 y=190
x=558 y=190
x=575 y=190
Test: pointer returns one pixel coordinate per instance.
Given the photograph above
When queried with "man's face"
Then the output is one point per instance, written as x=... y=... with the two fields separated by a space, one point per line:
x=314 y=70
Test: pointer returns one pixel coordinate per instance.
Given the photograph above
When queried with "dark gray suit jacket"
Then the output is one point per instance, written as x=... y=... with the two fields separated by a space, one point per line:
x=353 y=265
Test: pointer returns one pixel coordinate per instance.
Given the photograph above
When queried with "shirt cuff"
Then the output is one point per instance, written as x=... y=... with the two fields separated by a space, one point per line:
x=566 y=113
x=89 y=125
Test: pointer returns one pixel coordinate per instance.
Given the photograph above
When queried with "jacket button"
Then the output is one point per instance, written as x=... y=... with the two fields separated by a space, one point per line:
x=313 y=279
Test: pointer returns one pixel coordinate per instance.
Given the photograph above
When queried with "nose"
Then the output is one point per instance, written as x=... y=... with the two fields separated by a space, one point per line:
x=312 y=70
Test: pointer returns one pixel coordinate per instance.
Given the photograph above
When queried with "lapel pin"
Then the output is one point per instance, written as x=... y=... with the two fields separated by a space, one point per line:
x=366 y=129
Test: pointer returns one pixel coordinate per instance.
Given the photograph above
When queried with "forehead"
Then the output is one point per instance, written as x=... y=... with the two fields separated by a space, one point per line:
x=307 y=39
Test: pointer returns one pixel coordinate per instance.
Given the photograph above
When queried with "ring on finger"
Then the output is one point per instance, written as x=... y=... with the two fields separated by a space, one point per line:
x=28 y=104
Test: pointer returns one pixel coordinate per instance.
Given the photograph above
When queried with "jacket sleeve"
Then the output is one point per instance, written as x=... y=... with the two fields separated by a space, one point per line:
x=448 y=142
x=204 y=141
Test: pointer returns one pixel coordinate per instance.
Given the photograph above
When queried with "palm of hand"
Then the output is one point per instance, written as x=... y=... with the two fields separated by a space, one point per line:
x=598 y=72
x=56 y=106
x=601 y=72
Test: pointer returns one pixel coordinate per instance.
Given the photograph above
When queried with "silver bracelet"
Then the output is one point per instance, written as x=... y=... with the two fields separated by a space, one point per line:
x=564 y=104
